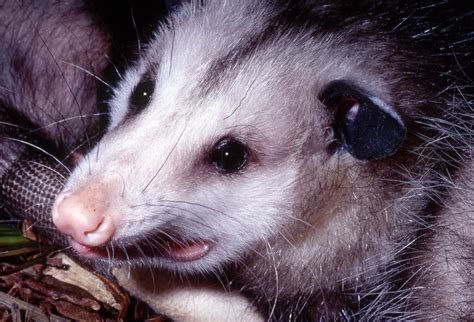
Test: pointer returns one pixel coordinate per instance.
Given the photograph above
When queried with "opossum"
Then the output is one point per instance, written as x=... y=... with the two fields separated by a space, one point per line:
x=309 y=150
x=304 y=144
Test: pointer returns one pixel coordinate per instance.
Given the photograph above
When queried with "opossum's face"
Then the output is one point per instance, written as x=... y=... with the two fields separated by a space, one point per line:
x=206 y=152
x=187 y=179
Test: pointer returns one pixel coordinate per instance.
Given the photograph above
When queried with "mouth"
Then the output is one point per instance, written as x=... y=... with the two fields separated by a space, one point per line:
x=175 y=250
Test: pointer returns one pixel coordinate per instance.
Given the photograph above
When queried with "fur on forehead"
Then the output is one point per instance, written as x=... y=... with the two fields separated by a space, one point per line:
x=181 y=55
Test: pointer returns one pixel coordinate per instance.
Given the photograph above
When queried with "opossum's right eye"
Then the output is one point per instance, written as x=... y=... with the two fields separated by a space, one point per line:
x=141 y=95
x=229 y=155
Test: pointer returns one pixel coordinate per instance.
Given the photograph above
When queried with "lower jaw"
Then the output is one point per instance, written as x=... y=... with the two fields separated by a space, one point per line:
x=189 y=251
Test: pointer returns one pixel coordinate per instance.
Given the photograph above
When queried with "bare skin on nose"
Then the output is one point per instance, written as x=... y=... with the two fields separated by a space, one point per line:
x=84 y=215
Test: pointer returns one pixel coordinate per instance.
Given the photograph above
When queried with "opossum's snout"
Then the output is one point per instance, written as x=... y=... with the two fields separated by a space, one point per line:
x=85 y=216
x=89 y=217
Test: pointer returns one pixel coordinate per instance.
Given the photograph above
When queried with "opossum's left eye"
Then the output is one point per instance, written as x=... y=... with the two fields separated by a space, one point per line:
x=364 y=125
x=229 y=155
x=141 y=95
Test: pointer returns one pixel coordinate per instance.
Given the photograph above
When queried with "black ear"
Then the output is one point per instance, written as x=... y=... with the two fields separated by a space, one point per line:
x=363 y=124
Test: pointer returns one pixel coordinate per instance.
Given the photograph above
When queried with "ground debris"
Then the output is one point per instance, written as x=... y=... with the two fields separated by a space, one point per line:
x=59 y=289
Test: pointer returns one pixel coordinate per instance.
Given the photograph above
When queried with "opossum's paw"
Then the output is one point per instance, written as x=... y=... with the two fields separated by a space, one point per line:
x=186 y=300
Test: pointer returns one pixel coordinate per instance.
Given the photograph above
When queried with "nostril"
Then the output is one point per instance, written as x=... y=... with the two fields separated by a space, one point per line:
x=83 y=218
x=92 y=229
x=102 y=233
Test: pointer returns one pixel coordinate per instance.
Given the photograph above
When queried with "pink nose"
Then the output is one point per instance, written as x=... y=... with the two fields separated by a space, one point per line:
x=83 y=215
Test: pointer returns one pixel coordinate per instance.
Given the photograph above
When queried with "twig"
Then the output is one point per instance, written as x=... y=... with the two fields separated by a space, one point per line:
x=31 y=311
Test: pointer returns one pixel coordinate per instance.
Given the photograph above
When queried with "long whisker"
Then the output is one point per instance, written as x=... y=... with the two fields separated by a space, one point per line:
x=152 y=275
x=61 y=72
x=41 y=150
x=163 y=204
x=80 y=145
x=44 y=110
x=167 y=157
x=89 y=73
x=129 y=263
x=50 y=169
x=277 y=286
x=139 y=45
x=65 y=120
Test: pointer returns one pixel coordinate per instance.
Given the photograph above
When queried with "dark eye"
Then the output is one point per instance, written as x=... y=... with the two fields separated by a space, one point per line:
x=229 y=155
x=141 y=95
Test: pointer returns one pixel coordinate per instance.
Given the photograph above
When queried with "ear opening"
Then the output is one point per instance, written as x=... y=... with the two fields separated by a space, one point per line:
x=364 y=125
